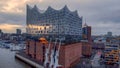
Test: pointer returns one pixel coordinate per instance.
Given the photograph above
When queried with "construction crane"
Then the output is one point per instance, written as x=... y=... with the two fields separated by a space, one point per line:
x=47 y=54
x=56 y=64
x=52 y=54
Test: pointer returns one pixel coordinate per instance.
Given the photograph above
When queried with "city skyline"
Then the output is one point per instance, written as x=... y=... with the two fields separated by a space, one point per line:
x=103 y=16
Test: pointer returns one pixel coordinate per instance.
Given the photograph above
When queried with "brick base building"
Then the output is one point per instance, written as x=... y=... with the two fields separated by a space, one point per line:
x=69 y=54
x=86 y=49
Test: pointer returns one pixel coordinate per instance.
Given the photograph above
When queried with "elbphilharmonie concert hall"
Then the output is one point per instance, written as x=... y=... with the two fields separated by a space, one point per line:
x=54 y=23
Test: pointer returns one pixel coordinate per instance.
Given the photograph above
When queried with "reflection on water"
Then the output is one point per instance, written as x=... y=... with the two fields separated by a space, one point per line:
x=7 y=60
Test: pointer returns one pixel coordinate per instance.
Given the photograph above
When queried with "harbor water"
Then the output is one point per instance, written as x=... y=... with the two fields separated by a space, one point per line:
x=8 y=60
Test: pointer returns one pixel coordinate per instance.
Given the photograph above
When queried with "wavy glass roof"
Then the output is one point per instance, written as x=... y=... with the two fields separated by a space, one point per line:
x=65 y=8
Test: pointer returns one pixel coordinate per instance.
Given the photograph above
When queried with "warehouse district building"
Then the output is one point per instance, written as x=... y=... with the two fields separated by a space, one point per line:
x=54 y=36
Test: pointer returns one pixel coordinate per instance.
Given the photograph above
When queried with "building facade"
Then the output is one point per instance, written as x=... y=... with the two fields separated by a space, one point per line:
x=111 y=53
x=0 y=31
x=109 y=34
x=69 y=55
x=18 y=31
x=86 y=30
x=53 y=22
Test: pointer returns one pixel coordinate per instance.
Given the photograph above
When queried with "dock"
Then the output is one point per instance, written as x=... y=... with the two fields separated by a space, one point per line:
x=29 y=61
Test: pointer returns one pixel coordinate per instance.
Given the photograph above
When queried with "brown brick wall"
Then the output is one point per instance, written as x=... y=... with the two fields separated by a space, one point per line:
x=86 y=49
x=69 y=54
x=72 y=53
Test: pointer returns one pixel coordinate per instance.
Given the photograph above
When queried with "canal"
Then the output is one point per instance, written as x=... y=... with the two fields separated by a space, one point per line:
x=7 y=60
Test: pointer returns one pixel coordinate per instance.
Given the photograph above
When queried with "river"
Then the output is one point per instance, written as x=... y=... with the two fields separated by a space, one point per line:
x=8 y=60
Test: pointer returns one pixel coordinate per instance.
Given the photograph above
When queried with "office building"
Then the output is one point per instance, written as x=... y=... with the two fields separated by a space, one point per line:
x=111 y=53
x=0 y=31
x=86 y=30
x=109 y=34
x=18 y=31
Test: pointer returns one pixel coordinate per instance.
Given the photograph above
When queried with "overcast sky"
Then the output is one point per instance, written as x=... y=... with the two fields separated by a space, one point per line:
x=102 y=15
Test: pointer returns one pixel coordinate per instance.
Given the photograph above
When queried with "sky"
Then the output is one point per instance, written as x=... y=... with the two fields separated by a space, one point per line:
x=102 y=15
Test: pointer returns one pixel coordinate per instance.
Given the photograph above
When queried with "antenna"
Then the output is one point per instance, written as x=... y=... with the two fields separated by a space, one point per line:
x=59 y=44
x=55 y=43
x=47 y=54
x=85 y=23
x=56 y=64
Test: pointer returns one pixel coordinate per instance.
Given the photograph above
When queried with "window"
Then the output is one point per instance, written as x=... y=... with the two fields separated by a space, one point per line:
x=45 y=28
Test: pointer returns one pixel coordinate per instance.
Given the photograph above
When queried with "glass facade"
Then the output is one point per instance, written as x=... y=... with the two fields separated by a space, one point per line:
x=53 y=22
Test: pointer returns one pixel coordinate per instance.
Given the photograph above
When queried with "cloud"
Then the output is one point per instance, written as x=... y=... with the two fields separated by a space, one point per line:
x=12 y=6
x=103 y=28
x=12 y=18
x=102 y=15
x=11 y=27
x=15 y=6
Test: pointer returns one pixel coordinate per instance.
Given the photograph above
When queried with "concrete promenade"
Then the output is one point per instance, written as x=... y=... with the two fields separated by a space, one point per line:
x=28 y=61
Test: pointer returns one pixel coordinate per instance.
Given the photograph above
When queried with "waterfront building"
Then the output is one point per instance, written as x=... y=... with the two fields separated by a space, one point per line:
x=97 y=46
x=111 y=53
x=0 y=31
x=86 y=41
x=86 y=31
x=109 y=34
x=100 y=40
x=54 y=23
x=86 y=49
x=18 y=31
x=69 y=54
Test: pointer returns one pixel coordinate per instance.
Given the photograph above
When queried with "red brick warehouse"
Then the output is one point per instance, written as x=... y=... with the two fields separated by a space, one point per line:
x=69 y=54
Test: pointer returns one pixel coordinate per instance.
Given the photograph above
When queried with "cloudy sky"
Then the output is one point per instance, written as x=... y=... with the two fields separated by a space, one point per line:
x=102 y=15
